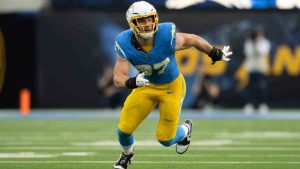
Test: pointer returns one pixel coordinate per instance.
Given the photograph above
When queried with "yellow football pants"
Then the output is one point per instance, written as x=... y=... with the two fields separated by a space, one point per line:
x=142 y=100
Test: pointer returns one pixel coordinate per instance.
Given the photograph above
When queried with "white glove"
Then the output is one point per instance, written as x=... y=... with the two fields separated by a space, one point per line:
x=141 y=81
x=226 y=53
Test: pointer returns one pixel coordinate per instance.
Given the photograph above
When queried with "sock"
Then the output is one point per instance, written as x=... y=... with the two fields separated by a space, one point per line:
x=128 y=149
x=126 y=142
x=186 y=129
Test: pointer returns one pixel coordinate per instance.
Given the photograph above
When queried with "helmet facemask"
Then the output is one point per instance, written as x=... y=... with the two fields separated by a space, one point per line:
x=145 y=31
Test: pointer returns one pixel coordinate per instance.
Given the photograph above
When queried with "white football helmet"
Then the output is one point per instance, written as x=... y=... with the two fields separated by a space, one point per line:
x=142 y=9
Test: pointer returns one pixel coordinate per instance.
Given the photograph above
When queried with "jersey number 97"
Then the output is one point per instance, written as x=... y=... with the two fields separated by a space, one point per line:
x=159 y=67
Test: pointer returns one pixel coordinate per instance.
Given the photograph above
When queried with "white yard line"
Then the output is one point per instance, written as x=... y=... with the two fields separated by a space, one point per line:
x=258 y=135
x=156 y=162
x=150 y=143
x=219 y=155
x=254 y=143
x=77 y=154
x=44 y=155
x=148 y=148
x=26 y=155
x=247 y=148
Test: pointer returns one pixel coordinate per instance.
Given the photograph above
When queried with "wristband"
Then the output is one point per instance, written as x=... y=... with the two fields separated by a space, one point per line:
x=131 y=83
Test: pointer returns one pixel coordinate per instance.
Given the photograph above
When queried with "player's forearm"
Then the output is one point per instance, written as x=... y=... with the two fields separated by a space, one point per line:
x=214 y=53
x=119 y=80
x=201 y=44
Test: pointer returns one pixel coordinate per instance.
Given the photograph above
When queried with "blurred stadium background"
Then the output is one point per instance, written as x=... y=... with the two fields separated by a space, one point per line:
x=63 y=52
x=58 y=49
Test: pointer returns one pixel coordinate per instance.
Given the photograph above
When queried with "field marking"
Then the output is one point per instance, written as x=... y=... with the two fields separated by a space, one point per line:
x=256 y=134
x=156 y=162
x=37 y=155
x=44 y=155
x=155 y=143
x=218 y=155
x=262 y=135
x=26 y=155
x=77 y=153
x=254 y=143
x=149 y=148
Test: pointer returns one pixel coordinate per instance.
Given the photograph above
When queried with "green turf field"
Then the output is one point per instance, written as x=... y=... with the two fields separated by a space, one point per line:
x=92 y=144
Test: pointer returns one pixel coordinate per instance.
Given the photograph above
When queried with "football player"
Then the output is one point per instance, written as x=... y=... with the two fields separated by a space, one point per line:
x=150 y=47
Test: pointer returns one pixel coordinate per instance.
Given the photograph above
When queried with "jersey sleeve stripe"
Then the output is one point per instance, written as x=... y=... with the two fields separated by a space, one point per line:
x=173 y=34
x=120 y=49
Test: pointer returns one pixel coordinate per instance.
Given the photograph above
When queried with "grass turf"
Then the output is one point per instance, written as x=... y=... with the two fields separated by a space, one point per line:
x=92 y=143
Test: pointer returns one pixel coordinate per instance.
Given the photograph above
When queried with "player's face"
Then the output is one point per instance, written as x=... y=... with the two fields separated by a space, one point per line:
x=145 y=24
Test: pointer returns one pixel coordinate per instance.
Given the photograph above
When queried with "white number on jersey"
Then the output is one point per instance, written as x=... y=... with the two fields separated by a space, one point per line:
x=161 y=66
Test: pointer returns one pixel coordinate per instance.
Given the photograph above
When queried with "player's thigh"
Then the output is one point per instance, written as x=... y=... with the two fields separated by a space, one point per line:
x=168 y=121
x=136 y=108
x=169 y=110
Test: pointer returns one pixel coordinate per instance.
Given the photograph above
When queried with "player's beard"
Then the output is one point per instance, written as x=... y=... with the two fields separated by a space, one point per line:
x=146 y=36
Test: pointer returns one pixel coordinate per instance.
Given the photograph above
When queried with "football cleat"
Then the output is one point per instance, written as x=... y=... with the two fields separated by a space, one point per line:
x=184 y=144
x=123 y=161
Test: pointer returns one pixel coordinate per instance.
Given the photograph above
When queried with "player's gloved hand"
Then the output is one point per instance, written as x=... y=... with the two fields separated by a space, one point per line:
x=141 y=81
x=218 y=54
x=138 y=81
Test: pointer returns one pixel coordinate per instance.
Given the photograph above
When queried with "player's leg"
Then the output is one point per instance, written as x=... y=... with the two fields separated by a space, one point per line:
x=136 y=108
x=169 y=134
x=249 y=108
x=262 y=87
x=184 y=144
x=168 y=131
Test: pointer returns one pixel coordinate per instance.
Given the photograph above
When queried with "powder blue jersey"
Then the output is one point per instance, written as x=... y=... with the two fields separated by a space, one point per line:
x=160 y=63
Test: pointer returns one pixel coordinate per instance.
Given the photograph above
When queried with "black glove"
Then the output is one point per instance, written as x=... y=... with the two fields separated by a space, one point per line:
x=215 y=54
